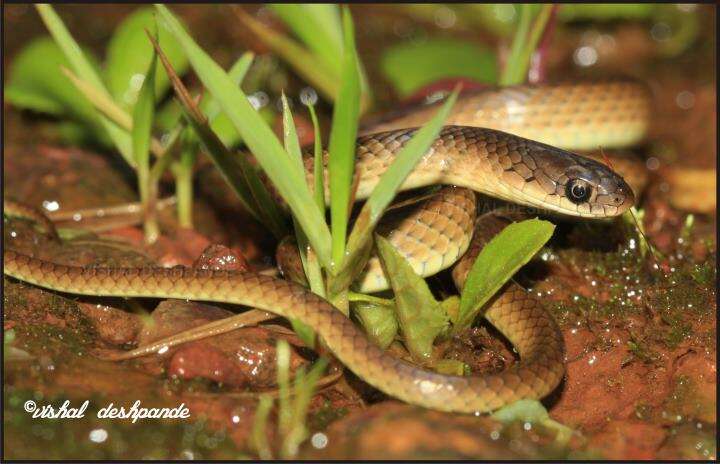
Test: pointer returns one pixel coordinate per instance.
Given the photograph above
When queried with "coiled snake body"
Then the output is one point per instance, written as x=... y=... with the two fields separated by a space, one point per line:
x=485 y=160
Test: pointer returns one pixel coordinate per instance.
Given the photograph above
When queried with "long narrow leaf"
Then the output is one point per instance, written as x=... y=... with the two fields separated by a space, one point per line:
x=305 y=63
x=341 y=164
x=210 y=106
x=102 y=102
x=311 y=267
x=143 y=115
x=318 y=165
x=319 y=26
x=236 y=170
x=85 y=71
x=498 y=262
x=281 y=170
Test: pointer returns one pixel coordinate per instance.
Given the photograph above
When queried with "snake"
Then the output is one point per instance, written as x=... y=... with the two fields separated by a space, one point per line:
x=487 y=160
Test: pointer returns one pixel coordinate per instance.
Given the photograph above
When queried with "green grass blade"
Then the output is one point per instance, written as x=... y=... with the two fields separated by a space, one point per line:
x=341 y=164
x=498 y=262
x=290 y=138
x=387 y=187
x=258 y=437
x=143 y=115
x=420 y=316
x=527 y=35
x=319 y=26
x=236 y=170
x=318 y=165
x=282 y=171
x=307 y=65
x=102 y=102
x=210 y=106
x=85 y=71
x=304 y=387
x=310 y=266
x=282 y=351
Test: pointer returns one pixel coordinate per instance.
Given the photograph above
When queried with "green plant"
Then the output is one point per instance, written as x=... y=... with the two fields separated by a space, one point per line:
x=332 y=254
x=293 y=404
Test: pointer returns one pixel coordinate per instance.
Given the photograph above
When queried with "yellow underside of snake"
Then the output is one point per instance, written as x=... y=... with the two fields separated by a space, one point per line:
x=484 y=160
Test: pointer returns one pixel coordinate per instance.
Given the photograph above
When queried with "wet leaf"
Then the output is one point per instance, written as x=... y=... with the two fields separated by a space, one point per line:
x=378 y=320
x=409 y=66
x=498 y=262
x=420 y=316
x=129 y=54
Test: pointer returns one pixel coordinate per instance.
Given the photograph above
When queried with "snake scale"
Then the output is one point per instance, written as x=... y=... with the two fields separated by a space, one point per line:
x=488 y=161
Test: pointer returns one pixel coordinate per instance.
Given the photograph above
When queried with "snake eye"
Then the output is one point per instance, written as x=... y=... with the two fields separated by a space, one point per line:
x=578 y=191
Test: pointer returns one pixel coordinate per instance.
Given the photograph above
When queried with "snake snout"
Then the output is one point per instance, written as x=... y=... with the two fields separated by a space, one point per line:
x=615 y=196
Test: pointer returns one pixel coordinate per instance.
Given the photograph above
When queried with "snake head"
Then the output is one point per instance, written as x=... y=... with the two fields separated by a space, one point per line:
x=584 y=187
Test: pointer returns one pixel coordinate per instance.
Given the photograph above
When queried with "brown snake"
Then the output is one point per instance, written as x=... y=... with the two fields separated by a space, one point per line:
x=487 y=161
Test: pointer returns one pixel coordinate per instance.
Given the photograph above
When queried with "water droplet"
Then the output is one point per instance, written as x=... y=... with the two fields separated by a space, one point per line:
x=51 y=205
x=585 y=56
x=319 y=440
x=98 y=435
x=308 y=96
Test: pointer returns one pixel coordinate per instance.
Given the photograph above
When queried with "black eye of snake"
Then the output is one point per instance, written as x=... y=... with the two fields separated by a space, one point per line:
x=578 y=191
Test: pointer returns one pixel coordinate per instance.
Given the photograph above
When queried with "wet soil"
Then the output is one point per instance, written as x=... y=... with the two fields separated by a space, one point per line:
x=639 y=325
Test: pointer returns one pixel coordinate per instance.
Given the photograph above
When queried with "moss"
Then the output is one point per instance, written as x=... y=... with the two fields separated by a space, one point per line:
x=324 y=416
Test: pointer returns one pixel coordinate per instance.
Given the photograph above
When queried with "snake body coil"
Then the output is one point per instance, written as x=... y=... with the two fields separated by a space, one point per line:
x=485 y=160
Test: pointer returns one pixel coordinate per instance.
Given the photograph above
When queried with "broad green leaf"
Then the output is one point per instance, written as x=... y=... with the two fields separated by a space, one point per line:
x=35 y=82
x=85 y=71
x=282 y=171
x=378 y=320
x=319 y=26
x=341 y=148
x=420 y=316
x=409 y=66
x=129 y=54
x=532 y=411
x=498 y=261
